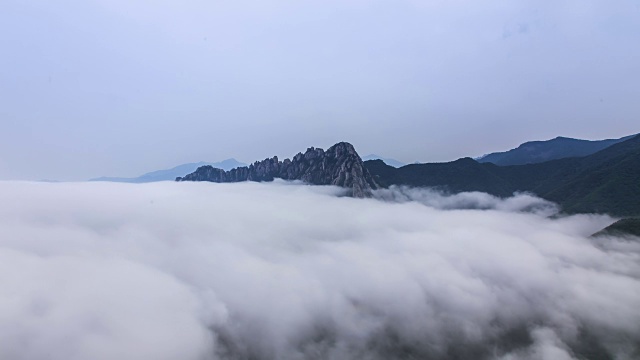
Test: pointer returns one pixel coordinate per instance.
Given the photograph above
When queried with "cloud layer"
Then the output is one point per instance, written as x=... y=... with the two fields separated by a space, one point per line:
x=287 y=271
x=521 y=202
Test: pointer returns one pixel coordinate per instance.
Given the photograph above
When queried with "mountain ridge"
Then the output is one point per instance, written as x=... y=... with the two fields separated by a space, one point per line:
x=339 y=165
x=560 y=147
x=392 y=162
x=603 y=182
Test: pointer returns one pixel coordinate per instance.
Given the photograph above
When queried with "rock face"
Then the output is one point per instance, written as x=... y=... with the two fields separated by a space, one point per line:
x=340 y=165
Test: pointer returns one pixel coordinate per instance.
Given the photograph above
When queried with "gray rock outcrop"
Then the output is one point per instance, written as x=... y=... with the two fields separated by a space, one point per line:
x=339 y=165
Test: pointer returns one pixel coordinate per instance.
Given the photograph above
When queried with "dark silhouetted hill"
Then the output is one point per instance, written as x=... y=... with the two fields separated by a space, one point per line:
x=607 y=181
x=393 y=162
x=534 y=152
x=630 y=226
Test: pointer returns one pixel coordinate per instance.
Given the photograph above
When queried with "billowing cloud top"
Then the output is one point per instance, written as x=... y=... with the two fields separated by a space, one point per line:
x=287 y=271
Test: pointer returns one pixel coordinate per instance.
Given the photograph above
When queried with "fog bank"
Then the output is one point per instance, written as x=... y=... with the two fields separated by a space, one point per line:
x=288 y=271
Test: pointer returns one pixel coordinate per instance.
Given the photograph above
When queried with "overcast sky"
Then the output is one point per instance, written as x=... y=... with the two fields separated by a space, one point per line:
x=122 y=87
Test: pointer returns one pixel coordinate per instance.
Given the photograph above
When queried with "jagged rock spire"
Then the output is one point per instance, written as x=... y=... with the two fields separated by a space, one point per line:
x=339 y=165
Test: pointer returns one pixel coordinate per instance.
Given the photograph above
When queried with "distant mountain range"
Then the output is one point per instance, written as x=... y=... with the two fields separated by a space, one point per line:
x=391 y=162
x=534 y=152
x=604 y=181
x=171 y=174
x=607 y=181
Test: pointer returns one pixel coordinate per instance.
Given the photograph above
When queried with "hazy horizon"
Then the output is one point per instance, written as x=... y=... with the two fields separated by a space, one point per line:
x=135 y=174
x=118 y=88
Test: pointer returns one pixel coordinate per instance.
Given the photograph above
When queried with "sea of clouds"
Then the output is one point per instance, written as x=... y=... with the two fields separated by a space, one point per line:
x=287 y=271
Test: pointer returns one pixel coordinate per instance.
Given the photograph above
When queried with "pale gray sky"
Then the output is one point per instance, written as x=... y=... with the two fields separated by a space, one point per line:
x=122 y=87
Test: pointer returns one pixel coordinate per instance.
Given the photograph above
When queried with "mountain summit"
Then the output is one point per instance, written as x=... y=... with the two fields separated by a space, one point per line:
x=339 y=165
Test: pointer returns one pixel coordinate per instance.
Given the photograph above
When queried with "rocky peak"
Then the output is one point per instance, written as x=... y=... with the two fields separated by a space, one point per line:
x=340 y=165
x=342 y=149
